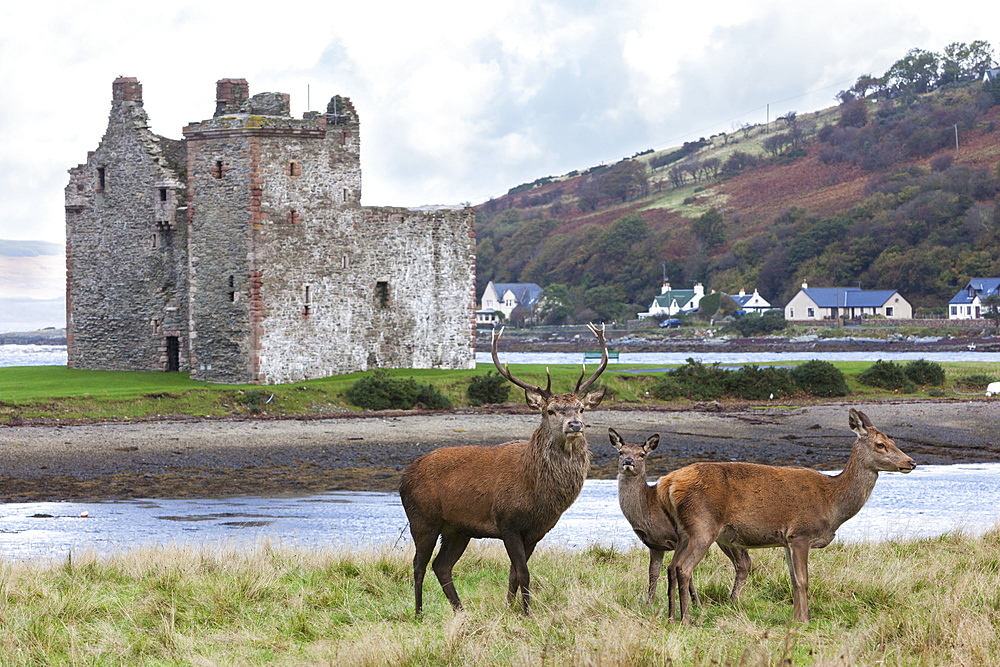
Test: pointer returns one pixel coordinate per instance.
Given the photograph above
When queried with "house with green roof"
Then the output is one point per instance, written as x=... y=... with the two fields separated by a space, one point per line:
x=671 y=301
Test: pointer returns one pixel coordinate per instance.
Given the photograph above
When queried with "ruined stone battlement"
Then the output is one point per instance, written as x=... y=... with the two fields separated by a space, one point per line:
x=242 y=253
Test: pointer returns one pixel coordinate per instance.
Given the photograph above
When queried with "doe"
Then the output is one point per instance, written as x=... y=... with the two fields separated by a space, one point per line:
x=747 y=505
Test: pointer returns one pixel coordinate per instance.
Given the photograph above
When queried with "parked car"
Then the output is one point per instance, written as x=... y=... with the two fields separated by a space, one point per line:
x=672 y=323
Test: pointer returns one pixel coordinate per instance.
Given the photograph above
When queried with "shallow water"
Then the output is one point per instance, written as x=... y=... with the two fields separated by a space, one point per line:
x=929 y=501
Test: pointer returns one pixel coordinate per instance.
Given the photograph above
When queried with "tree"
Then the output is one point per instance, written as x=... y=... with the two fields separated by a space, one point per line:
x=864 y=83
x=916 y=72
x=555 y=305
x=607 y=301
x=709 y=228
x=991 y=310
x=625 y=180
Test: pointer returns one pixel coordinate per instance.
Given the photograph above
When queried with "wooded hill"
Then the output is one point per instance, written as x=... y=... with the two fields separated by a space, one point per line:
x=872 y=192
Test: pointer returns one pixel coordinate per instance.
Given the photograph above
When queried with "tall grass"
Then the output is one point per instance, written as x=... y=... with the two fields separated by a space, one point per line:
x=925 y=602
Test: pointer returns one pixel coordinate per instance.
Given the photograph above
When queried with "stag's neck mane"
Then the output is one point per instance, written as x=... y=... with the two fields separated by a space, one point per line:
x=853 y=486
x=558 y=463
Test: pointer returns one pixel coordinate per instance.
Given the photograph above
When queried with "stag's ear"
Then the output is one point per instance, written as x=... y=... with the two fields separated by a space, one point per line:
x=593 y=398
x=616 y=440
x=859 y=423
x=534 y=399
x=652 y=442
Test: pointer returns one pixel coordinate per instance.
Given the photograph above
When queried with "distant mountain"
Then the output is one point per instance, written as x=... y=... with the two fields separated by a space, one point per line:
x=870 y=192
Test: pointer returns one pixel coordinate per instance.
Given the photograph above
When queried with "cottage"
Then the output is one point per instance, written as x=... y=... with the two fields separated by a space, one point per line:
x=823 y=303
x=968 y=303
x=504 y=298
x=671 y=301
x=751 y=303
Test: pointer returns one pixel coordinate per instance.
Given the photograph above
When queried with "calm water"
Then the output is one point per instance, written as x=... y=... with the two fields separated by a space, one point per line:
x=32 y=355
x=929 y=501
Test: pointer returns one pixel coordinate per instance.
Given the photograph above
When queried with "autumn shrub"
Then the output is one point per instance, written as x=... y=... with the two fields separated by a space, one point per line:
x=757 y=383
x=820 y=378
x=694 y=380
x=886 y=375
x=924 y=373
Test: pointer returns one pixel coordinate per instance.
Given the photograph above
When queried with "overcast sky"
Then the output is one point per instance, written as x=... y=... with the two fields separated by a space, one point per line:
x=459 y=101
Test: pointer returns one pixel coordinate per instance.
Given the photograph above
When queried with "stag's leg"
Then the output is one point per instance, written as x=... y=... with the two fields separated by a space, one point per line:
x=741 y=563
x=681 y=570
x=423 y=543
x=797 y=556
x=655 y=565
x=452 y=547
x=518 y=552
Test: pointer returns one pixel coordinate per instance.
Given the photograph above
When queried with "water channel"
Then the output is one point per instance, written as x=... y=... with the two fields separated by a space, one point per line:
x=929 y=501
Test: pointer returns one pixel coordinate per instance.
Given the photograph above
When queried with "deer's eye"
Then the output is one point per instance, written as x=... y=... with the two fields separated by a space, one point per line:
x=552 y=412
x=880 y=445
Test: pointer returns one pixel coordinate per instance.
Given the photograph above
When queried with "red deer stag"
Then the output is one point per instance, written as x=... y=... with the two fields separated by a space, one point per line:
x=650 y=521
x=514 y=492
x=747 y=505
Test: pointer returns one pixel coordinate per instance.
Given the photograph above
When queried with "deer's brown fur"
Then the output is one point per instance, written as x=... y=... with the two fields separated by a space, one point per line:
x=649 y=519
x=748 y=506
x=514 y=492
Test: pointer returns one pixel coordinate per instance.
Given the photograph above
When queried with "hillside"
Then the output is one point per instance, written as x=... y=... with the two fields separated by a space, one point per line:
x=871 y=192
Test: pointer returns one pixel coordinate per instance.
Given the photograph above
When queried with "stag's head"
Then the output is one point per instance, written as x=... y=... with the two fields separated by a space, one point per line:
x=562 y=414
x=879 y=452
x=632 y=458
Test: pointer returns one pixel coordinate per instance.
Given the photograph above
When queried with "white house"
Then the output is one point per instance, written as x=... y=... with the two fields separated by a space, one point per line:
x=750 y=303
x=669 y=301
x=968 y=303
x=824 y=303
x=504 y=298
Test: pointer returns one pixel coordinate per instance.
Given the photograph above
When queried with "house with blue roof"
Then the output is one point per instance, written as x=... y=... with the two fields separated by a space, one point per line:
x=671 y=301
x=968 y=303
x=750 y=303
x=826 y=303
x=504 y=298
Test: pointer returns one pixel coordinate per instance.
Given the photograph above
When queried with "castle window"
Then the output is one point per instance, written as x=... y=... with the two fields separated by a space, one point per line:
x=307 y=309
x=345 y=262
x=163 y=194
x=232 y=289
x=346 y=194
x=101 y=179
x=155 y=323
x=154 y=241
x=293 y=217
x=219 y=170
x=294 y=168
x=382 y=294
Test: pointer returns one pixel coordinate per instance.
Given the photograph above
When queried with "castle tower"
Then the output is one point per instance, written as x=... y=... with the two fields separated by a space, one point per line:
x=126 y=246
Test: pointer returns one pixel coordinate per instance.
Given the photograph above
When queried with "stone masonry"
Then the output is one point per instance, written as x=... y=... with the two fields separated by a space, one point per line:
x=242 y=253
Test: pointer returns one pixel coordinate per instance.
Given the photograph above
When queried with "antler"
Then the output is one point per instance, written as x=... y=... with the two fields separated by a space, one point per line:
x=504 y=371
x=581 y=388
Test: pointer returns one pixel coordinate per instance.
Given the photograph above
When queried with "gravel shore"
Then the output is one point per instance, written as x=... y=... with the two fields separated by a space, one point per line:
x=214 y=458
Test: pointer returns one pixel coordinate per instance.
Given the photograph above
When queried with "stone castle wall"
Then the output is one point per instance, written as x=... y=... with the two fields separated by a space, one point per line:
x=288 y=277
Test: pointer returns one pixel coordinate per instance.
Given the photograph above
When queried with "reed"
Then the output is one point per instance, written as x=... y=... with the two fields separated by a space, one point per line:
x=928 y=602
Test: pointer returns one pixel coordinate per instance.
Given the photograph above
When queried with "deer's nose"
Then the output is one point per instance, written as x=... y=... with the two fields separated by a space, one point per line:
x=627 y=461
x=575 y=426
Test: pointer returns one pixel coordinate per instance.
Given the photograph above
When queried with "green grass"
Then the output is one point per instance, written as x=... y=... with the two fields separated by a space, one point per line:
x=55 y=392
x=922 y=602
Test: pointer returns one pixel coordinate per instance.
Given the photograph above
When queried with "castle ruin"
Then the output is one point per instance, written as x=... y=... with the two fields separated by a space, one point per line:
x=241 y=253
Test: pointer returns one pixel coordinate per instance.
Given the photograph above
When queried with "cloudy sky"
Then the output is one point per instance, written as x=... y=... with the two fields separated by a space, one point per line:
x=459 y=101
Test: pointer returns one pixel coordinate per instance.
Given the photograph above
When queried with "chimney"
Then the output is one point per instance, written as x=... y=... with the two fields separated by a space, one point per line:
x=699 y=289
x=126 y=89
x=805 y=285
x=743 y=292
x=665 y=288
x=230 y=94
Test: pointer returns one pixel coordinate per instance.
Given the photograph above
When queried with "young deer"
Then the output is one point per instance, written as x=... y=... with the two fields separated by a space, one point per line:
x=514 y=492
x=748 y=505
x=650 y=521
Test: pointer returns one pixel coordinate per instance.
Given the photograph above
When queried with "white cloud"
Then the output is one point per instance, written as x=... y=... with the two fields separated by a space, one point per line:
x=458 y=101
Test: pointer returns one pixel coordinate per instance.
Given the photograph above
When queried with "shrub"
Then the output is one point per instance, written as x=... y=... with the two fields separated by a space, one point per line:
x=886 y=375
x=756 y=383
x=755 y=325
x=973 y=382
x=487 y=389
x=925 y=372
x=820 y=378
x=253 y=400
x=694 y=380
x=378 y=391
